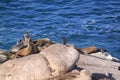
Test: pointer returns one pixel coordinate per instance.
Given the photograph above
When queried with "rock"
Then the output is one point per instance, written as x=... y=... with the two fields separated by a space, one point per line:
x=61 y=58
x=98 y=66
x=85 y=75
x=75 y=75
x=51 y=62
x=32 y=67
x=3 y=58
x=119 y=68
x=106 y=56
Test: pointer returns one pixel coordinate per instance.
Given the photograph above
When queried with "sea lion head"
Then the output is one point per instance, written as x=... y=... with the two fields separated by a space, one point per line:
x=26 y=34
x=103 y=50
x=20 y=42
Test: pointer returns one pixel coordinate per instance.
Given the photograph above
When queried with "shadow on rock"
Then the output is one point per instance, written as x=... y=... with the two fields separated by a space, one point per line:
x=99 y=76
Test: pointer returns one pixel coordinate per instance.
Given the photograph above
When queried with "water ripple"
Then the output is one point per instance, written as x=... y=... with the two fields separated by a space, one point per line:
x=83 y=23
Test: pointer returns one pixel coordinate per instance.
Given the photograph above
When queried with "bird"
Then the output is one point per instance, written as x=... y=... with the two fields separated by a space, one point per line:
x=63 y=40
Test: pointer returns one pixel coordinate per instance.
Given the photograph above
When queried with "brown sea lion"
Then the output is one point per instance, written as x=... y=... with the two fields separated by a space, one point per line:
x=17 y=47
x=34 y=47
x=42 y=43
x=88 y=50
x=27 y=50
x=2 y=51
x=29 y=47
x=11 y=56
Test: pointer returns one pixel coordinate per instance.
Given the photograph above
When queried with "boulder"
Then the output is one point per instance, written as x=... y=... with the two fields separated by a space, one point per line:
x=3 y=58
x=49 y=63
x=32 y=67
x=85 y=75
x=100 y=69
x=75 y=75
x=61 y=58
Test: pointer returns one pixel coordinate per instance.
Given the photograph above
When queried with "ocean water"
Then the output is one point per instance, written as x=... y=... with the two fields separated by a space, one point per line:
x=83 y=22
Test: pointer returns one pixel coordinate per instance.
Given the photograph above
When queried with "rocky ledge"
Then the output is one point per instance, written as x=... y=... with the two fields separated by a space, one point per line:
x=99 y=68
x=59 y=62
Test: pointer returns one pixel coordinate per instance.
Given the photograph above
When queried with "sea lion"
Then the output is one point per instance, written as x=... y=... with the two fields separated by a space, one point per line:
x=2 y=51
x=26 y=36
x=17 y=47
x=29 y=47
x=34 y=46
x=88 y=50
x=27 y=50
x=11 y=56
x=42 y=43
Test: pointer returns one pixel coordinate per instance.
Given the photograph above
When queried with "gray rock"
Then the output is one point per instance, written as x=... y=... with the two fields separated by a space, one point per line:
x=51 y=62
x=61 y=58
x=3 y=58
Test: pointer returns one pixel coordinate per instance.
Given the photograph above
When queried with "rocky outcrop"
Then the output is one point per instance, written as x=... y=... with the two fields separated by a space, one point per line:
x=85 y=75
x=61 y=58
x=53 y=61
x=58 y=62
x=32 y=67
x=3 y=56
x=100 y=69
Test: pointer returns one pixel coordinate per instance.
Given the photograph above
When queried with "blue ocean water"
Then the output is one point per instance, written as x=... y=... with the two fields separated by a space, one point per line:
x=82 y=22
